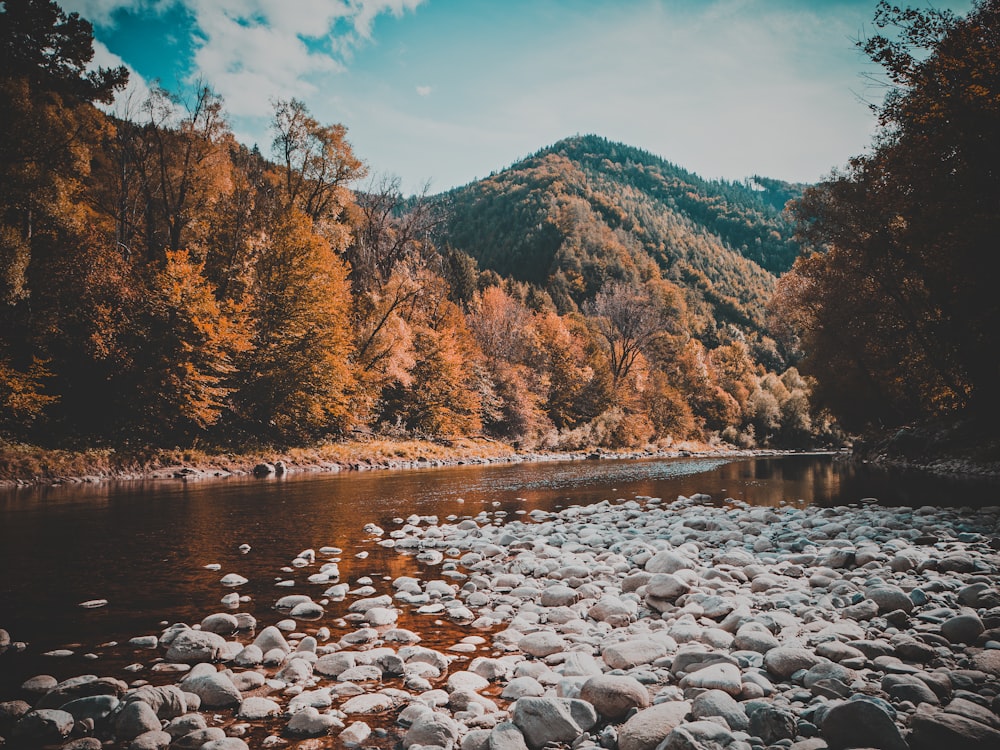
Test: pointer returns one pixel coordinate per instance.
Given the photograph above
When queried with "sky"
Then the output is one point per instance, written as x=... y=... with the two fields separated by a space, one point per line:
x=442 y=92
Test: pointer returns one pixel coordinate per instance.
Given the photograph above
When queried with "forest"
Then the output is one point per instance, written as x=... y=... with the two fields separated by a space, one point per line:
x=163 y=284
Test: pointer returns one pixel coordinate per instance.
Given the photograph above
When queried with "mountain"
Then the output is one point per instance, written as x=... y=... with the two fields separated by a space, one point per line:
x=586 y=210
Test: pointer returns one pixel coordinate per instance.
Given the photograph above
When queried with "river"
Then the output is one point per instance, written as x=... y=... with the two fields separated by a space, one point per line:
x=143 y=546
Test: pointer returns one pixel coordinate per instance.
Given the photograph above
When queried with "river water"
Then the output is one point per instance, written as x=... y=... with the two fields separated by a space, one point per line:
x=143 y=546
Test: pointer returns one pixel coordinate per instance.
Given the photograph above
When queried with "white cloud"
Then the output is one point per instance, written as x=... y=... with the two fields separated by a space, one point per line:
x=424 y=90
x=251 y=51
x=128 y=103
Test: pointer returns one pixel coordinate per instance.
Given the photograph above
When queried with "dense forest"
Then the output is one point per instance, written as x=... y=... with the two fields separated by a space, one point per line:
x=163 y=284
x=895 y=306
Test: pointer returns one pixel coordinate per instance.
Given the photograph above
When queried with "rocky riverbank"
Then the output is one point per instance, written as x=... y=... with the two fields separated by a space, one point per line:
x=26 y=466
x=626 y=625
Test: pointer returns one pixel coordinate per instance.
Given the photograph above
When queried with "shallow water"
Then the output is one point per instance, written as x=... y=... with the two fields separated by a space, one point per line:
x=143 y=545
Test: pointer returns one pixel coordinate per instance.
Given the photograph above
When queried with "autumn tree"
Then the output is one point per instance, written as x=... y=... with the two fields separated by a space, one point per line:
x=630 y=320
x=294 y=381
x=388 y=231
x=181 y=151
x=48 y=131
x=896 y=315
x=443 y=393
x=316 y=167
x=505 y=330
x=194 y=341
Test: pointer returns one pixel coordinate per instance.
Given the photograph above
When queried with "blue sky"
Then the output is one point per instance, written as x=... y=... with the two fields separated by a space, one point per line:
x=445 y=91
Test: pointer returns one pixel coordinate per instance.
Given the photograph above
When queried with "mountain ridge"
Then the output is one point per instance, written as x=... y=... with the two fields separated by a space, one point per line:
x=586 y=210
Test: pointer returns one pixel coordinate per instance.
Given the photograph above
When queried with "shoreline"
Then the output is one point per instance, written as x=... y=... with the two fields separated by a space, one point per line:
x=19 y=465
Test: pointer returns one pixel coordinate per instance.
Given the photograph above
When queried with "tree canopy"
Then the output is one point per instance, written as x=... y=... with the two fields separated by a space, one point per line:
x=896 y=309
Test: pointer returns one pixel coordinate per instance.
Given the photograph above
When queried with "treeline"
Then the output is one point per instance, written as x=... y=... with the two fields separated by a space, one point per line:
x=160 y=283
x=896 y=308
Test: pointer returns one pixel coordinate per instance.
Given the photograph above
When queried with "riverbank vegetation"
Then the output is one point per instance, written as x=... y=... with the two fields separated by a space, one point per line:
x=163 y=284
x=895 y=310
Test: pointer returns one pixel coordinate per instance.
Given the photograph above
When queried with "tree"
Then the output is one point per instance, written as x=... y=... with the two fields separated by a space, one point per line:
x=182 y=154
x=52 y=51
x=630 y=320
x=388 y=231
x=294 y=382
x=194 y=341
x=316 y=166
x=893 y=305
x=49 y=130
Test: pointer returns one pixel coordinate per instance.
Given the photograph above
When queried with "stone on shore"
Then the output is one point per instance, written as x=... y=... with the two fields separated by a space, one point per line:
x=545 y=720
x=649 y=727
x=195 y=646
x=614 y=696
x=861 y=723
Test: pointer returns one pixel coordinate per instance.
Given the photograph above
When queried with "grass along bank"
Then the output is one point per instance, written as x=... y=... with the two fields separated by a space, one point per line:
x=23 y=464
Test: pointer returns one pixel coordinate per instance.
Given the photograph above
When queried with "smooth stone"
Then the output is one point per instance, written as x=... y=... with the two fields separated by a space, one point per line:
x=185 y=724
x=521 y=687
x=309 y=722
x=256 y=708
x=332 y=665
x=221 y=624
x=270 y=638
x=861 y=723
x=720 y=703
x=667 y=561
x=755 y=637
x=904 y=687
x=614 y=696
x=467 y=681
x=933 y=730
x=963 y=628
x=838 y=651
x=720 y=676
x=541 y=644
x=226 y=743
x=889 y=598
x=155 y=739
x=667 y=586
x=195 y=739
x=559 y=596
x=784 y=661
x=355 y=734
x=196 y=646
x=361 y=673
x=633 y=653
x=368 y=703
x=649 y=727
x=544 y=720
x=504 y=736
x=134 y=719
x=43 y=726
x=974 y=711
x=432 y=729
x=167 y=701
x=215 y=690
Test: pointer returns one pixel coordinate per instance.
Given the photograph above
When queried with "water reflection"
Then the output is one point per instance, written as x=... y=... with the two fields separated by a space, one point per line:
x=143 y=546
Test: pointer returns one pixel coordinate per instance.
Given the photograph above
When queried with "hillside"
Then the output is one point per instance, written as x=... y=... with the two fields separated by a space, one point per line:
x=585 y=210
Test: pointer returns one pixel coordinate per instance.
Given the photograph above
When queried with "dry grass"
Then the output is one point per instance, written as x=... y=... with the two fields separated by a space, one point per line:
x=27 y=463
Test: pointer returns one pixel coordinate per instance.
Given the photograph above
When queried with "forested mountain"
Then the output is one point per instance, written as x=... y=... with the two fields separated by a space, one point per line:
x=162 y=284
x=586 y=210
